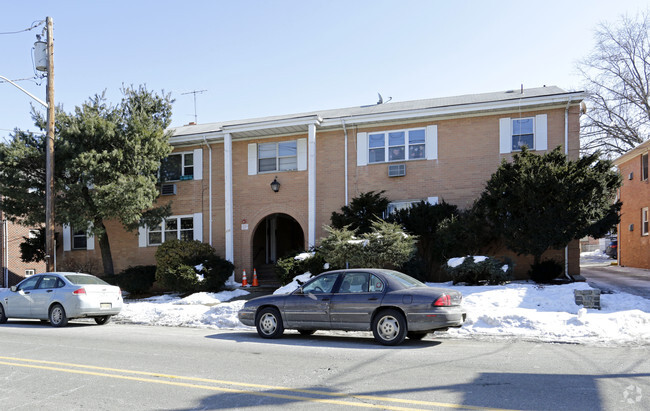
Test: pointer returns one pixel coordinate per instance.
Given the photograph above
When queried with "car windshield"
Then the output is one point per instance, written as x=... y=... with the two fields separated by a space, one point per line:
x=406 y=280
x=79 y=279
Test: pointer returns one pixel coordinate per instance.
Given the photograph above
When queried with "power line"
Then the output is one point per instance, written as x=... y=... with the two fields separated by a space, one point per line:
x=33 y=26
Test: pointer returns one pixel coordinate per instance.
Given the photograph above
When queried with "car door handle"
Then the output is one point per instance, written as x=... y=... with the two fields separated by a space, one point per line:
x=372 y=299
x=26 y=292
x=49 y=291
x=325 y=299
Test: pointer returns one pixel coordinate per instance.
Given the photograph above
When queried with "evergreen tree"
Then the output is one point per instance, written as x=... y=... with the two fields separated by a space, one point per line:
x=361 y=212
x=539 y=202
x=106 y=162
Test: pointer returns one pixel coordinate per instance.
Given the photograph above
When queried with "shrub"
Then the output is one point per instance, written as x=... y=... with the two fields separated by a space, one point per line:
x=287 y=268
x=480 y=270
x=179 y=263
x=545 y=272
x=138 y=279
x=386 y=246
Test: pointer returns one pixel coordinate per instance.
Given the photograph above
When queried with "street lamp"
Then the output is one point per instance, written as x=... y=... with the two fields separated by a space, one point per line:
x=275 y=185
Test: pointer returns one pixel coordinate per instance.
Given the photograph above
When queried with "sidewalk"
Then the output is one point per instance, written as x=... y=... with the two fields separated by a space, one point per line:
x=614 y=278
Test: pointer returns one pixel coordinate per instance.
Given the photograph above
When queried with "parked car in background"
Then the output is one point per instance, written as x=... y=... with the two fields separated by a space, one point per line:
x=391 y=304
x=612 y=248
x=59 y=297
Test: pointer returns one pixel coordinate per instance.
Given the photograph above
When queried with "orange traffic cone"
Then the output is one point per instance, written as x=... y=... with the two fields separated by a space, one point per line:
x=244 y=282
x=255 y=283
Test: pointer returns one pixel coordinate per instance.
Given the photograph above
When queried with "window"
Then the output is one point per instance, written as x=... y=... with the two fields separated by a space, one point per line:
x=644 y=167
x=29 y=272
x=361 y=283
x=30 y=283
x=181 y=228
x=282 y=156
x=399 y=205
x=398 y=145
x=644 y=221
x=321 y=285
x=50 y=281
x=79 y=240
x=177 y=167
x=523 y=133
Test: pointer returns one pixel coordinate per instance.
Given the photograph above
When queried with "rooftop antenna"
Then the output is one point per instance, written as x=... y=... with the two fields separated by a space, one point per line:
x=195 y=92
x=381 y=99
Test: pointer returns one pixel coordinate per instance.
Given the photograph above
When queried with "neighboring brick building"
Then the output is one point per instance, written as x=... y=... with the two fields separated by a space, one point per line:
x=633 y=238
x=14 y=269
x=219 y=174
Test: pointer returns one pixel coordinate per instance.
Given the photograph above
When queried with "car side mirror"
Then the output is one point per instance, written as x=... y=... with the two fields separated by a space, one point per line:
x=13 y=288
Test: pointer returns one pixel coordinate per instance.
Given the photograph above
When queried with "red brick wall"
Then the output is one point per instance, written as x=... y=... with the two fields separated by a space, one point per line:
x=15 y=265
x=634 y=248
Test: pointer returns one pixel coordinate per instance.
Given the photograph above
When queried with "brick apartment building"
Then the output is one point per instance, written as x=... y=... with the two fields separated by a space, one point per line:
x=633 y=236
x=219 y=175
x=13 y=268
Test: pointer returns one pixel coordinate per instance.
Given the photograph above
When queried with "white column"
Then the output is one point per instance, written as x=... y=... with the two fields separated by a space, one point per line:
x=311 y=183
x=227 y=174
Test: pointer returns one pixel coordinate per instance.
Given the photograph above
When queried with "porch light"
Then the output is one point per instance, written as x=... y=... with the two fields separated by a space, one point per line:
x=275 y=185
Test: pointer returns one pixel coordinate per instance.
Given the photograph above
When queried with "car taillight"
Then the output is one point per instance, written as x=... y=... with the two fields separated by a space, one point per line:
x=443 y=301
x=79 y=291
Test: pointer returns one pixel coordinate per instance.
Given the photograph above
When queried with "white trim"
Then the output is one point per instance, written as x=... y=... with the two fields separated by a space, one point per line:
x=645 y=213
x=505 y=135
x=90 y=242
x=362 y=149
x=252 y=159
x=227 y=176
x=541 y=133
x=431 y=142
x=142 y=236
x=432 y=200
x=198 y=164
x=67 y=238
x=198 y=226
x=302 y=154
x=311 y=185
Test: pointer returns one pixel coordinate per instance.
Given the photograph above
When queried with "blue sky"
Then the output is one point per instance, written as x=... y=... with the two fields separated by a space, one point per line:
x=261 y=58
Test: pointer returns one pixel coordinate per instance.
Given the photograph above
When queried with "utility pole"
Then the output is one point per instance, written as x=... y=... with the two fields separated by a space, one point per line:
x=49 y=154
x=195 y=92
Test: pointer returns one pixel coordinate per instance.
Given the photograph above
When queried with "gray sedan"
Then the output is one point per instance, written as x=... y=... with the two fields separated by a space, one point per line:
x=391 y=304
x=59 y=297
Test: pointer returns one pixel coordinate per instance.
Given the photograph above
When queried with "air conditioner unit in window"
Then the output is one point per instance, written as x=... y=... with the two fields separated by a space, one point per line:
x=396 y=170
x=168 y=189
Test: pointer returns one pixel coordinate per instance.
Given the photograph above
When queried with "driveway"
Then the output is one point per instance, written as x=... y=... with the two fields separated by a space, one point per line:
x=614 y=278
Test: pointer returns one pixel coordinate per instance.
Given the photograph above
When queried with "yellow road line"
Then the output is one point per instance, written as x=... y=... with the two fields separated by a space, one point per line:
x=240 y=384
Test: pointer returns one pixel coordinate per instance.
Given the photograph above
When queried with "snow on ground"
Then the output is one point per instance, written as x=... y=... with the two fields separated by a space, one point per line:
x=595 y=257
x=519 y=310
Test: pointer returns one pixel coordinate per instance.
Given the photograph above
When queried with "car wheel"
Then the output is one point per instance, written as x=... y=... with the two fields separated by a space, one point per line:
x=57 y=316
x=389 y=327
x=103 y=319
x=306 y=332
x=413 y=335
x=269 y=323
x=3 y=317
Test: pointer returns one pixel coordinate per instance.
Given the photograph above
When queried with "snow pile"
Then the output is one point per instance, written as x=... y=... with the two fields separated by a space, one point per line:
x=595 y=257
x=297 y=280
x=549 y=313
x=514 y=311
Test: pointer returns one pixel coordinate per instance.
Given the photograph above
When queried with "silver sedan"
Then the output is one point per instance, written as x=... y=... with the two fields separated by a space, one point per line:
x=59 y=297
x=391 y=304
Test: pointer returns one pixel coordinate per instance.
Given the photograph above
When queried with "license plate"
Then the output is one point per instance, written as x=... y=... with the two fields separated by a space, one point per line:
x=105 y=306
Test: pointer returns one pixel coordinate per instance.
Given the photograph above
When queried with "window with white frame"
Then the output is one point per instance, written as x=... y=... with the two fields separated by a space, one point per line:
x=644 y=167
x=399 y=205
x=79 y=240
x=281 y=156
x=396 y=145
x=30 y=272
x=177 y=166
x=523 y=133
x=644 y=221
x=181 y=228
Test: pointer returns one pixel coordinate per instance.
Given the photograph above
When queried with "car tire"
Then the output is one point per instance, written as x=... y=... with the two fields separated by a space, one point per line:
x=269 y=323
x=57 y=316
x=415 y=335
x=103 y=319
x=389 y=327
x=3 y=317
x=306 y=332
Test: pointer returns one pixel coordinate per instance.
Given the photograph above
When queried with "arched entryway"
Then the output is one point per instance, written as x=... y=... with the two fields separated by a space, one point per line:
x=276 y=236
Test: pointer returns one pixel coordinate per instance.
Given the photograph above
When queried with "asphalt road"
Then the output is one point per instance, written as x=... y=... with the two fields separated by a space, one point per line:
x=116 y=367
x=615 y=278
